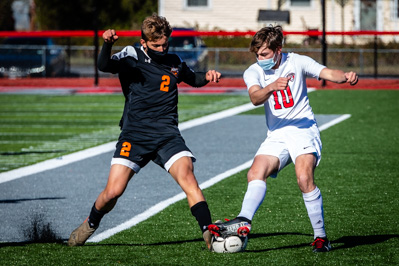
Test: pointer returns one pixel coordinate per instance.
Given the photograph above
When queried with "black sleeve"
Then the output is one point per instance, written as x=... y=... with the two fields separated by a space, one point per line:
x=105 y=63
x=200 y=79
x=195 y=79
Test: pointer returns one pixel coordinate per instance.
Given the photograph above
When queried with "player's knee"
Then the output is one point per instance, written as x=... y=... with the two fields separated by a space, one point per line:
x=254 y=174
x=112 y=194
x=306 y=183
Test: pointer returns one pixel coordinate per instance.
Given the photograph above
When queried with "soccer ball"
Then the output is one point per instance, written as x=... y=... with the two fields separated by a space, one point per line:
x=230 y=244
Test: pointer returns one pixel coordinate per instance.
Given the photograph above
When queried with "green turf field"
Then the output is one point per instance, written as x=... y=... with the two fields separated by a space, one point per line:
x=358 y=177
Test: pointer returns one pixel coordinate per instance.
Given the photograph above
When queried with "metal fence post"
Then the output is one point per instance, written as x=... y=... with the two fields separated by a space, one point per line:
x=375 y=56
x=323 y=39
x=44 y=54
x=217 y=59
x=96 y=75
x=361 y=61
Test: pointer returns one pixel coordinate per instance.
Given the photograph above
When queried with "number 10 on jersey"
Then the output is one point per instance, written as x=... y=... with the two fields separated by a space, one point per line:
x=286 y=97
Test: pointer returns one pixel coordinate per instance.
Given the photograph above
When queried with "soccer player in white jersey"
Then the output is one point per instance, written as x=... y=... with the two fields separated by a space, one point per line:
x=278 y=81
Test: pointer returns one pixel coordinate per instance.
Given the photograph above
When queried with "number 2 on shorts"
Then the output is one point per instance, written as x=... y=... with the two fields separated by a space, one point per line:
x=126 y=147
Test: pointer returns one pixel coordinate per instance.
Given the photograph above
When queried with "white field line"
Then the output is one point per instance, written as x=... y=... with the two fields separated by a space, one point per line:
x=56 y=162
x=217 y=116
x=84 y=154
x=164 y=204
x=334 y=122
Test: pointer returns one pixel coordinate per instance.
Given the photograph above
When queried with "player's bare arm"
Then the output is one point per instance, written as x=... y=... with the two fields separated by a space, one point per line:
x=110 y=36
x=339 y=76
x=259 y=96
x=212 y=76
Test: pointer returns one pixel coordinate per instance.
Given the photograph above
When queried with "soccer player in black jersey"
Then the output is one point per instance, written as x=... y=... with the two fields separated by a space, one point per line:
x=149 y=78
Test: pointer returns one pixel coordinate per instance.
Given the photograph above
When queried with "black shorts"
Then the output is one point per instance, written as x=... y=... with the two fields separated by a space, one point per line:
x=159 y=150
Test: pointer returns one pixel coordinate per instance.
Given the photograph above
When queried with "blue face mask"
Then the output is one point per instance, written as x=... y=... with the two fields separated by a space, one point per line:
x=266 y=64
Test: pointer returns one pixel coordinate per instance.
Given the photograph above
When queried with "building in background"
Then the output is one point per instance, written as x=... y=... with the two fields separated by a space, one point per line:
x=23 y=13
x=293 y=15
x=20 y=12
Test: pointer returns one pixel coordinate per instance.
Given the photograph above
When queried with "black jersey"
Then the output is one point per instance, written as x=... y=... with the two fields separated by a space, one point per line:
x=150 y=89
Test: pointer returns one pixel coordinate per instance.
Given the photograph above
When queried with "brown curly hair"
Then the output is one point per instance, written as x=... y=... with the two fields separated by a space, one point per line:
x=271 y=35
x=154 y=28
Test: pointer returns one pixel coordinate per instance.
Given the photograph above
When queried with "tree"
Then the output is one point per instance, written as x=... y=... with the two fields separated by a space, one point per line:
x=79 y=14
x=6 y=19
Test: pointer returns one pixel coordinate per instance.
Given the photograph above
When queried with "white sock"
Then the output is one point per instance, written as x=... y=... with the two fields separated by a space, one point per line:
x=314 y=204
x=254 y=196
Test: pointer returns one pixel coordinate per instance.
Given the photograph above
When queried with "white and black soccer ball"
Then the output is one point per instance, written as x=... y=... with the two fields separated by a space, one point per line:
x=230 y=244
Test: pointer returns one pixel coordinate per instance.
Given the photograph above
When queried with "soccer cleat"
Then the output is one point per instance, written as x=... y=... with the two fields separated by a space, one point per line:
x=81 y=234
x=235 y=227
x=321 y=244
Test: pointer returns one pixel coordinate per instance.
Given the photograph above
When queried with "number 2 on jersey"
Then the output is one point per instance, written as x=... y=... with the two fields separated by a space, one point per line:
x=165 y=83
x=284 y=94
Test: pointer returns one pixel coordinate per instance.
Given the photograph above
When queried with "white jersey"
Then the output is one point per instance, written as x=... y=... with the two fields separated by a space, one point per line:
x=289 y=107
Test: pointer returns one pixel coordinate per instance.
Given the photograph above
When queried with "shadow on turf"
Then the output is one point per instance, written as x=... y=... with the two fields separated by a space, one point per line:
x=346 y=241
x=252 y=236
x=191 y=240
x=153 y=244
x=30 y=152
x=353 y=241
x=5 y=201
x=38 y=230
x=25 y=243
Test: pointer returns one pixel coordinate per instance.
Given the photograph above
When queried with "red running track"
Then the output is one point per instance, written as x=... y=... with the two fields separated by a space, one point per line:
x=226 y=85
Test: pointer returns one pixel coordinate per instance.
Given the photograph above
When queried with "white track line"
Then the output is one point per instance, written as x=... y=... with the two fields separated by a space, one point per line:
x=166 y=203
x=81 y=155
x=56 y=162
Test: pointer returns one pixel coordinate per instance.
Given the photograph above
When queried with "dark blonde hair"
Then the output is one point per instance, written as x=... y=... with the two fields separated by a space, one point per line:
x=271 y=35
x=154 y=28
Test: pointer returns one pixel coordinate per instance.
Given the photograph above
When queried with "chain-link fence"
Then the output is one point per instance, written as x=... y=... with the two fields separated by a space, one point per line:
x=366 y=62
x=79 y=61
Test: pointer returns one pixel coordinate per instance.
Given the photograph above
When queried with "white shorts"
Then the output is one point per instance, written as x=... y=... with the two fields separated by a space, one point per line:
x=136 y=168
x=290 y=142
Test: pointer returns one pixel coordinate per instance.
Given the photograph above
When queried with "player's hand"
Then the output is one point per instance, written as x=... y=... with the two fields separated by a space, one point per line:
x=351 y=78
x=110 y=36
x=280 y=84
x=213 y=75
